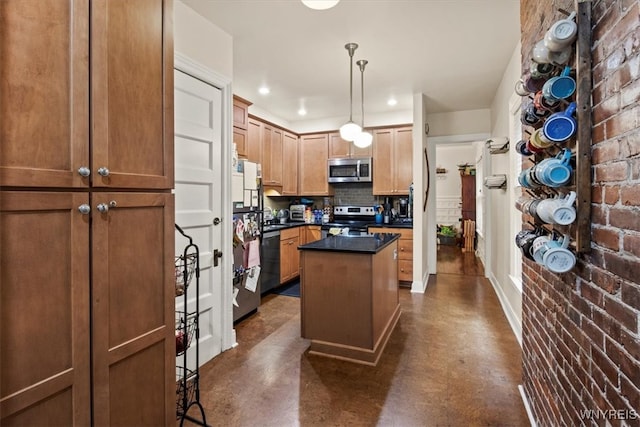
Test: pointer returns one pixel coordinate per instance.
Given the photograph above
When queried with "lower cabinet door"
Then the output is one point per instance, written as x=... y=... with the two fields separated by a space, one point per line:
x=44 y=309
x=133 y=305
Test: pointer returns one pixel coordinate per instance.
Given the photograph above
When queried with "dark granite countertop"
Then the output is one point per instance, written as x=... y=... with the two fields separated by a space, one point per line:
x=394 y=225
x=367 y=243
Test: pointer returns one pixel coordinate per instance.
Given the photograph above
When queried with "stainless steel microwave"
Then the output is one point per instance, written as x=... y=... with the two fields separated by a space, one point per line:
x=350 y=170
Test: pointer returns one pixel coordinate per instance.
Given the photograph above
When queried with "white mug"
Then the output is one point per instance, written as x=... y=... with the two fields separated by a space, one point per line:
x=557 y=257
x=561 y=34
x=558 y=210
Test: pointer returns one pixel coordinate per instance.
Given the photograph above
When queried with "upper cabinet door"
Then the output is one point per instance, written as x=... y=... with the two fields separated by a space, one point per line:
x=44 y=78
x=132 y=93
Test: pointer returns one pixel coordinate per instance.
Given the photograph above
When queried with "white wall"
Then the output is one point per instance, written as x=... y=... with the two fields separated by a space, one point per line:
x=498 y=202
x=459 y=122
x=202 y=41
x=449 y=184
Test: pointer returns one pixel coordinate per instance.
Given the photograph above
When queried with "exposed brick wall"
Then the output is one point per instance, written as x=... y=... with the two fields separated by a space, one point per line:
x=581 y=342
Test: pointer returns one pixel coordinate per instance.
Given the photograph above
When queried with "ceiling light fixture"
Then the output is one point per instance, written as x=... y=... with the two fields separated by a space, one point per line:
x=302 y=111
x=264 y=90
x=320 y=4
x=391 y=102
x=350 y=130
x=364 y=138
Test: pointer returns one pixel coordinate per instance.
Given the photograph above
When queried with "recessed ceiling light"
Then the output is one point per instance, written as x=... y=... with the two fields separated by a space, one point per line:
x=391 y=102
x=264 y=90
x=302 y=112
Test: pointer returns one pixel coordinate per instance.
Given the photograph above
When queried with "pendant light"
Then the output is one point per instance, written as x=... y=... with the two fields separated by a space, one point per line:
x=364 y=138
x=320 y=4
x=350 y=130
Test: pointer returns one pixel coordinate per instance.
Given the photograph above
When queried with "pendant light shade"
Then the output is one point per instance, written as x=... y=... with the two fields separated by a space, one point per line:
x=320 y=4
x=350 y=130
x=363 y=139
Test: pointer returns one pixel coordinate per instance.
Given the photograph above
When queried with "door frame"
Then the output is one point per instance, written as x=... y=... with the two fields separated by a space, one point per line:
x=223 y=83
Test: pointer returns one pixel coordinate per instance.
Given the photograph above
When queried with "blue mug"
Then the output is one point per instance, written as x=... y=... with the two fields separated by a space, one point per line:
x=526 y=179
x=556 y=171
x=559 y=87
x=561 y=126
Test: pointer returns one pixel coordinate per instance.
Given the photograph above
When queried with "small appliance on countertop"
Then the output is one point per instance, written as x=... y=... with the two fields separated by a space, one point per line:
x=296 y=213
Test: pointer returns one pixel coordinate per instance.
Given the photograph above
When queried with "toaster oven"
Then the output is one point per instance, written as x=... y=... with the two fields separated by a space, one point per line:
x=296 y=213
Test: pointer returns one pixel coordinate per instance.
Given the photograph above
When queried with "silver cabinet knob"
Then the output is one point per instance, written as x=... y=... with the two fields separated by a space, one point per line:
x=84 y=209
x=84 y=171
x=103 y=171
x=102 y=208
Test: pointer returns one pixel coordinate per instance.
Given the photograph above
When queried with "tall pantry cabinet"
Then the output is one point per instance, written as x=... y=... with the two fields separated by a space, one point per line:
x=86 y=213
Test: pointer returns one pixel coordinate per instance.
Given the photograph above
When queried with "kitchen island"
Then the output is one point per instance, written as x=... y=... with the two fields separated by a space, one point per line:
x=349 y=295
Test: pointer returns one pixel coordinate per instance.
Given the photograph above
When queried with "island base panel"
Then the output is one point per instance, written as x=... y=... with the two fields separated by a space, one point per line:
x=360 y=355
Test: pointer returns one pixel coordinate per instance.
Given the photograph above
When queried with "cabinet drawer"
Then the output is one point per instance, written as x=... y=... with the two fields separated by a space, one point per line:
x=405 y=270
x=289 y=233
x=405 y=249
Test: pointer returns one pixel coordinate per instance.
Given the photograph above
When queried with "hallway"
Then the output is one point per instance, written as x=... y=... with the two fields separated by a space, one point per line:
x=451 y=361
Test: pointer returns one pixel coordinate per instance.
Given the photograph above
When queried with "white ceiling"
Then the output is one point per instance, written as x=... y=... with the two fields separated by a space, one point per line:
x=454 y=51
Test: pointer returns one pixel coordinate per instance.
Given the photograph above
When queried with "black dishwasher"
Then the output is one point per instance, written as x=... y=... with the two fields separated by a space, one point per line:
x=270 y=270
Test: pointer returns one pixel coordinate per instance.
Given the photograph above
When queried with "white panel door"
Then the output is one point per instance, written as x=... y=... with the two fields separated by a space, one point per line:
x=198 y=183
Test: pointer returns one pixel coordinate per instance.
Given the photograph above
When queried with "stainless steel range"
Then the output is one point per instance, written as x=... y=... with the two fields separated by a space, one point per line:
x=355 y=218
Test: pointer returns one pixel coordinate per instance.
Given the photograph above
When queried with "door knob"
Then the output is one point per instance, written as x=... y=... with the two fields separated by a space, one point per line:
x=216 y=221
x=84 y=171
x=216 y=256
x=84 y=209
x=103 y=171
x=102 y=208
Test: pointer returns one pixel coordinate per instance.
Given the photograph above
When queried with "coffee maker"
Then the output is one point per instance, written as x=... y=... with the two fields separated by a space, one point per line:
x=403 y=207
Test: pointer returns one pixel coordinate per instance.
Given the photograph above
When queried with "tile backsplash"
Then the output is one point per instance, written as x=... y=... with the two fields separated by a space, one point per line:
x=354 y=194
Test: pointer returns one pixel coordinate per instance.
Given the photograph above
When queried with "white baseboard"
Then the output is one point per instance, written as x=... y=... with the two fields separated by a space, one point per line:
x=527 y=407
x=515 y=324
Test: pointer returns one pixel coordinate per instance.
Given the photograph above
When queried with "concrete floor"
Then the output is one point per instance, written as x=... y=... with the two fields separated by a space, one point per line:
x=452 y=360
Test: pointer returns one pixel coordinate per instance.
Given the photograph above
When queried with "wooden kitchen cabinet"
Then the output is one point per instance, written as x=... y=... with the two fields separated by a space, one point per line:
x=405 y=250
x=102 y=106
x=311 y=234
x=289 y=164
x=240 y=125
x=132 y=94
x=340 y=148
x=44 y=116
x=392 y=161
x=289 y=256
x=44 y=304
x=254 y=141
x=44 y=113
x=314 y=152
x=133 y=309
x=271 y=156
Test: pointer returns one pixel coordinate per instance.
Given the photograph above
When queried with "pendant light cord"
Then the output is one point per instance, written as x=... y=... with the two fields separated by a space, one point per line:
x=351 y=47
x=362 y=63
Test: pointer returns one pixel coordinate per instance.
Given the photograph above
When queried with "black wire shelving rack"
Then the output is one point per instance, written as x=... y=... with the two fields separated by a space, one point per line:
x=187 y=266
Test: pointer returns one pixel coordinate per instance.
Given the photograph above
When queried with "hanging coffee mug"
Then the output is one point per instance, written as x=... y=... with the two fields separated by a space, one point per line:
x=543 y=103
x=561 y=126
x=561 y=34
x=558 y=258
x=524 y=241
x=539 y=140
x=521 y=148
x=532 y=117
x=556 y=171
x=557 y=210
x=540 y=71
x=543 y=55
x=559 y=87
x=524 y=179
